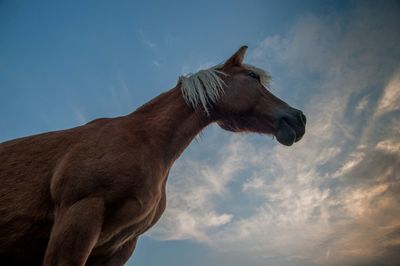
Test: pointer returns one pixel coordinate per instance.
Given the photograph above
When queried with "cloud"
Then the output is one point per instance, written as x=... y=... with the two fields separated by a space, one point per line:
x=79 y=114
x=196 y=187
x=146 y=41
x=391 y=96
x=390 y=146
x=152 y=47
x=190 y=68
x=332 y=198
x=156 y=63
x=120 y=96
x=362 y=104
x=351 y=162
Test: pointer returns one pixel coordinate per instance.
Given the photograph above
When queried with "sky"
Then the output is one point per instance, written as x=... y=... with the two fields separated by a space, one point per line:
x=233 y=199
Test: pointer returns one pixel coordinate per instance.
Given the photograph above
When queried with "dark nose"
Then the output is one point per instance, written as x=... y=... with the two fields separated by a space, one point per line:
x=299 y=124
x=291 y=125
x=296 y=120
x=294 y=117
x=303 y=118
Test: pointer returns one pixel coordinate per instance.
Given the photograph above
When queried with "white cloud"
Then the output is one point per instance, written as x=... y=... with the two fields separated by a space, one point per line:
x=254 y=184
x=390 y=146
x=146 y=41
x=321 y=201
x=362 y=104
x=192 y=68
x=390 y=100
x=358 y=201
x=79 y=115
x=191 y=206
x=352 y=161
x=156 y=63
x=120 y=95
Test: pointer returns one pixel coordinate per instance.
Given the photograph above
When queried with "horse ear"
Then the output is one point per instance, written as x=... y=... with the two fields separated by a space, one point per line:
x=237 y=58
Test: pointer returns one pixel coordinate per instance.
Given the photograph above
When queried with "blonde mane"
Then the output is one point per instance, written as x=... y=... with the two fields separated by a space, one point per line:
x=205 y=87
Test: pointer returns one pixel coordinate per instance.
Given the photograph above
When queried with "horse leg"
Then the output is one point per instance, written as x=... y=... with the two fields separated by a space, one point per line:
x=118 y=258
x=74 y=233
x=123 y=254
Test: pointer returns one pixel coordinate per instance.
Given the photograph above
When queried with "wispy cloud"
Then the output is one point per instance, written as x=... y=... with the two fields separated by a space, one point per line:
x=151 y=46
x=146 y=41
x=196 y=187
x=390 y=146
x=79 y=114
x=120 y=94
x=192 y=68
x=330 y=199
x=391 y=96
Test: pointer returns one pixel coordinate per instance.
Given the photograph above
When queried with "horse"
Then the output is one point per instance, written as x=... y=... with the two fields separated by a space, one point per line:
x=83 y=196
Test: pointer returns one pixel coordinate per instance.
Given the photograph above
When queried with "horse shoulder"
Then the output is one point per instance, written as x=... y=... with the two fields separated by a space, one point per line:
x=108 y=167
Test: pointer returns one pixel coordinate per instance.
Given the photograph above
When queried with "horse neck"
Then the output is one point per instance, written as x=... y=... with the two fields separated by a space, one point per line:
x=170 y=122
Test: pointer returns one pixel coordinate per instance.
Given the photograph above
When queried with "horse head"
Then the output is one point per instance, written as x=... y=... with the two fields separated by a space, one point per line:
x=248 y=105
x=236 y=96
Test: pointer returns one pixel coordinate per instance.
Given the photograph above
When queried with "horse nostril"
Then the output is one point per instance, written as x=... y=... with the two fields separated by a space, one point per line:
x=303 y=118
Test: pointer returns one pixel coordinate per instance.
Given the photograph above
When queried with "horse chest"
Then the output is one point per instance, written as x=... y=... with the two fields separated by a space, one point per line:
x=130 y=221
x=137 y=227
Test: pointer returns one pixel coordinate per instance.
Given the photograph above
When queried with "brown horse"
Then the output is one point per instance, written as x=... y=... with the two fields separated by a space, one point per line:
x=83 y=196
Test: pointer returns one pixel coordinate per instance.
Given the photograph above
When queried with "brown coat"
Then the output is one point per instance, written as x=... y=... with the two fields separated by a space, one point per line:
x=82 y=196
x=110 y=172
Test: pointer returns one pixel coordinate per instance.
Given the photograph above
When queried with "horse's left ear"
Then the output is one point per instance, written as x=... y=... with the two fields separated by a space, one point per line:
x=237 y=58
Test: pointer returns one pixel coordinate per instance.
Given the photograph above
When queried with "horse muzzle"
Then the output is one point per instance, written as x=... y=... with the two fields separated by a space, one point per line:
x=291 y=126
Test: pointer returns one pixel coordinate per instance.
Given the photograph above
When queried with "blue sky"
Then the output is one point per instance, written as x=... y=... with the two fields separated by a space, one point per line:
x=332 y=199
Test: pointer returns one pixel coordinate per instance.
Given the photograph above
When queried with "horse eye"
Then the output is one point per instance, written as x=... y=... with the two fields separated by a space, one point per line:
x=254 y=75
